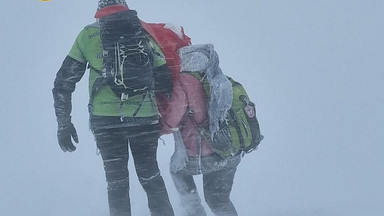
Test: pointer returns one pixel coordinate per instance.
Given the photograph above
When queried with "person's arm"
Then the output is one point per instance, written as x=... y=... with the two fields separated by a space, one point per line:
x=173 y=110
x=172 y=114
x=163 y=80
x=161 y=73
x=70 y=72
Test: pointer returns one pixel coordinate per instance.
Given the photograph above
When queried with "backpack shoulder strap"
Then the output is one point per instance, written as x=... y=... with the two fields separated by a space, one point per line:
x=203 y=79
x=97 y=85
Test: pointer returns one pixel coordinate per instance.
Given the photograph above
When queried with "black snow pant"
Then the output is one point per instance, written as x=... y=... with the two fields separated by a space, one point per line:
x=217 y=187
x=143 y=142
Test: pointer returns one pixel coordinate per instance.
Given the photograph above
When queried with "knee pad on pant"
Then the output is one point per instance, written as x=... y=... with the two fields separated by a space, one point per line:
x=153 y=184
x=144 y=180
x=118 y=184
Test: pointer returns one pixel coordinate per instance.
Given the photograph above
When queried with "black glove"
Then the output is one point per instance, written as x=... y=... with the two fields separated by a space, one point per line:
x=65 y=133
x=69 y=74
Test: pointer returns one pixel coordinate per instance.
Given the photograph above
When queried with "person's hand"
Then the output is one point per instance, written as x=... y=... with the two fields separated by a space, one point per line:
x=65 y=133
x=179 y=157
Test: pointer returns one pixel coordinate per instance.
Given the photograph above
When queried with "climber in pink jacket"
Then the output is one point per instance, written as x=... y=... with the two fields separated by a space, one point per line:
x=188 y=96
x=183 y=115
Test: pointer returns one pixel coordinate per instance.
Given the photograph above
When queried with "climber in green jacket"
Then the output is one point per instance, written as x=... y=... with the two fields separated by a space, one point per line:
x=126 y=69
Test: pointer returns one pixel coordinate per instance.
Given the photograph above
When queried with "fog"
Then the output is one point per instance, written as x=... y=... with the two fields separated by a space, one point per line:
x=314 y=69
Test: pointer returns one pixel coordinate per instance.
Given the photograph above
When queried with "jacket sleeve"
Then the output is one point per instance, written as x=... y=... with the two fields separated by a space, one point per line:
x=197 y=99
x=70 y=72
x=161 y=73
x=173 y=109
x=163 y=80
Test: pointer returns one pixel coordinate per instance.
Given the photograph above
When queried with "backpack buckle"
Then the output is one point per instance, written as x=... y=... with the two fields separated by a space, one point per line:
x=124 y=96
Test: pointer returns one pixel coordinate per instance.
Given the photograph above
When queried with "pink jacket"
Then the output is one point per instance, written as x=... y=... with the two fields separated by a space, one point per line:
x=188 y=93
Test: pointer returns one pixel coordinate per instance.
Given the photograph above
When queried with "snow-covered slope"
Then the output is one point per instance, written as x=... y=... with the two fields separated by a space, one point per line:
x=314 y=69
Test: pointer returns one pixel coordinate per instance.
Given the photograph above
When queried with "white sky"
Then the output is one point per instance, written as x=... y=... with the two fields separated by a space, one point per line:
x=314 y=69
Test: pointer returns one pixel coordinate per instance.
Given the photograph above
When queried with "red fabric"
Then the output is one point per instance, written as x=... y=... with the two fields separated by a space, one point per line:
x=110 y=10
x=169 y=43
x=173 y=110
x=188 y=93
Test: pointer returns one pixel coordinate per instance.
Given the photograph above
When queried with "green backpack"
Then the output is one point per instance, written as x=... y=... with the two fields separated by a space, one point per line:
x=241 y=131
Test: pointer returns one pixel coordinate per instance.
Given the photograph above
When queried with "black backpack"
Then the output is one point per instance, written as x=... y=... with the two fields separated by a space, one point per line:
x=127 y=55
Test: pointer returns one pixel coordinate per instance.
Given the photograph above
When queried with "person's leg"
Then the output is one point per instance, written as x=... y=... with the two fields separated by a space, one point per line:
x=189 y=196
x=144 y=149
x=113 y=148
x=217 y=189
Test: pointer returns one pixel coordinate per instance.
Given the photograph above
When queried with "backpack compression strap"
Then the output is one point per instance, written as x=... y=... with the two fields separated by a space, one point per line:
x=100 y=82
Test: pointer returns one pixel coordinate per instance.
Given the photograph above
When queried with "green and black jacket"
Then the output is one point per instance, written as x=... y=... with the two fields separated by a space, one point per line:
x=87 y=50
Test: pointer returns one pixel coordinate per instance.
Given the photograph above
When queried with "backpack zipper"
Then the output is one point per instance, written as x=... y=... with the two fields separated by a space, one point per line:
x=237 y=127
x=198 y=152
x=245 y=127
x=199 y=137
